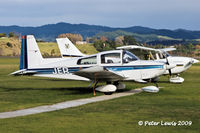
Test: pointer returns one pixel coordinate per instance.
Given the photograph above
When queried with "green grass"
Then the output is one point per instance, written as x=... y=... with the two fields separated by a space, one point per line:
x=174 y=102
x=87 y=49
x=47 y=47
x=18 y=92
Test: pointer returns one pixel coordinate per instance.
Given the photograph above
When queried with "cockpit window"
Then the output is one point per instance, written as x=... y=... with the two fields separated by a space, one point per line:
x=128 y=57
x=87 y=61
x=110 y=58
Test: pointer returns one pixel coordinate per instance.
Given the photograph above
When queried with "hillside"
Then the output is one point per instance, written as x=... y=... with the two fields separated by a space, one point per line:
x=50 y=31
x=11 y=47
x=50 y=49
x=142 y=38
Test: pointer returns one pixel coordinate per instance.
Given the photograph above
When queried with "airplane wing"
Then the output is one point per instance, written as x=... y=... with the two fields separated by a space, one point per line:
x=23 y=72
x=99 y=73
x=137 y=47
x=146 y=48
x=167 y=49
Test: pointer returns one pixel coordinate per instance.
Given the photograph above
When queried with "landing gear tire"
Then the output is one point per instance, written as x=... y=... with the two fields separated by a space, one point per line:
x=108 y=93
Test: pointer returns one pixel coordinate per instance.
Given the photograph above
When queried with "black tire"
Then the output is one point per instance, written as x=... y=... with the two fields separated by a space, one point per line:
x=116 y=83
x=108 y=93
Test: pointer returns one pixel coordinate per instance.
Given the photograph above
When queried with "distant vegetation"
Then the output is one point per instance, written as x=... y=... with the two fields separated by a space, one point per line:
x=139 y=37
x=73 y=37
x=10 y=45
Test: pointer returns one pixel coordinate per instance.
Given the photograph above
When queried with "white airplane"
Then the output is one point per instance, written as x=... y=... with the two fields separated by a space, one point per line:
x=162 y=55
x=110 y=67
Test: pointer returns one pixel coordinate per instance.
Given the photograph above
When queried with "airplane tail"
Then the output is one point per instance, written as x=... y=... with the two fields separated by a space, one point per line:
x=67 y=48
x=30 y=53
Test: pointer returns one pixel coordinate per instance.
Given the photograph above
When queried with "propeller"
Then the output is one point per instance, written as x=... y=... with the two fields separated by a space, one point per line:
x=170 y=72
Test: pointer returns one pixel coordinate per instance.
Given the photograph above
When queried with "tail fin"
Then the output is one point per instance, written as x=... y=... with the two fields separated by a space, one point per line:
x=67 y=48
x=30 y=53
x=23 y=56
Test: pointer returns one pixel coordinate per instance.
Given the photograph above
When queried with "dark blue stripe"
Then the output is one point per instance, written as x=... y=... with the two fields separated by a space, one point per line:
x=23 y=56
x=124 y=68
x=113 y=68
x=21 y=66
x=25 y=53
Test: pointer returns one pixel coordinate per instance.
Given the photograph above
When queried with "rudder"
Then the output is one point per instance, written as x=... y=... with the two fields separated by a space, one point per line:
x=30 y=53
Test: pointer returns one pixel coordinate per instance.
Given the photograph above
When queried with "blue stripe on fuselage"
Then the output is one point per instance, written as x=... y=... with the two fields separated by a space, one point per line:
x=112 y=68
x=124 y=68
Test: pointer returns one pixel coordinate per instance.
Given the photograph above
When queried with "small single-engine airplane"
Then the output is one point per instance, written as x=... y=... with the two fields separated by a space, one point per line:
x=109 y=66
x=162 y=55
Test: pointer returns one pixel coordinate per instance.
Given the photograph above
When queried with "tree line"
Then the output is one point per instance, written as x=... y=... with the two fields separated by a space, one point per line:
x=10 y=34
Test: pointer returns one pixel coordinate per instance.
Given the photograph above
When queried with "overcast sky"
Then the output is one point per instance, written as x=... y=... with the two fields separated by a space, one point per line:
x=166 y=14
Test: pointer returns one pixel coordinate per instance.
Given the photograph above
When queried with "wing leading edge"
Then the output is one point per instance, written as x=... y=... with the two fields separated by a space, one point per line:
x=146 y=48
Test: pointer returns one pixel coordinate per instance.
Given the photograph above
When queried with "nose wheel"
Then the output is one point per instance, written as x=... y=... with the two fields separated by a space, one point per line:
x=176 y=79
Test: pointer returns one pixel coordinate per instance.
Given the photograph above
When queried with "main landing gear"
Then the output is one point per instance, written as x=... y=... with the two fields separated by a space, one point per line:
x=109 y=88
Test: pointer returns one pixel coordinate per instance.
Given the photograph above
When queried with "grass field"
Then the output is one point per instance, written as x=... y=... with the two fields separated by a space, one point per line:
x=49 y=49
x=174 y=102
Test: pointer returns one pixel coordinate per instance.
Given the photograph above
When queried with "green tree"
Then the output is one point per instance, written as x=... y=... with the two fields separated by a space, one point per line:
x=2 y=34
x=111 y=44
x=11 y=34
x=100 y=45
x=129 y=40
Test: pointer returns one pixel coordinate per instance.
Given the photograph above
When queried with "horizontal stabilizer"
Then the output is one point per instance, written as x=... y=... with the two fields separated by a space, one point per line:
x=23 y=72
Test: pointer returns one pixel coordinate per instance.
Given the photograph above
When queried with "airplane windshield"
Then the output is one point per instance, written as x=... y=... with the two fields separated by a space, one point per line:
x=128 y=57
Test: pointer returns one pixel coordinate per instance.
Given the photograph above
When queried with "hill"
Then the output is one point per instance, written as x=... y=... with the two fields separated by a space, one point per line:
x=50 y=31
x=139 y=37
x=11 y=47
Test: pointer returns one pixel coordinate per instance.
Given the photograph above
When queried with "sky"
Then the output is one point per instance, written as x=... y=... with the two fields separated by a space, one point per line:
x=159 y=14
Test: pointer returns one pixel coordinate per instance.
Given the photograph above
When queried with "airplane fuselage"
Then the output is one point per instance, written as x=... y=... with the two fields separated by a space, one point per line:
x=132 y=70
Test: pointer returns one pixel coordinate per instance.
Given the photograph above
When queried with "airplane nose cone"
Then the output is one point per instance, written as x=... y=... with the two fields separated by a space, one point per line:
x=194 y=61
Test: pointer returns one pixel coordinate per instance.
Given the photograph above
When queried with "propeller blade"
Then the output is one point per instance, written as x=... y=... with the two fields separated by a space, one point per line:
x=167 y=61
x=170 y=72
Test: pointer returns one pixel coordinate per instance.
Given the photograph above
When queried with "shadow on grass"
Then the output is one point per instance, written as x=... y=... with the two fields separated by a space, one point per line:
x=164 y=81
x=67 y=91
x=70 y=90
